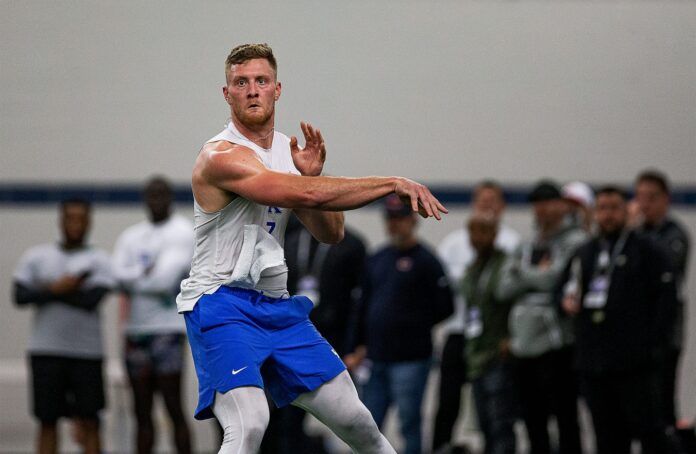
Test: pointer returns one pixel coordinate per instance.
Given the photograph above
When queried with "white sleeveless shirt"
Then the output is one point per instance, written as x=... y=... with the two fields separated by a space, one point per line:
x=241 y=245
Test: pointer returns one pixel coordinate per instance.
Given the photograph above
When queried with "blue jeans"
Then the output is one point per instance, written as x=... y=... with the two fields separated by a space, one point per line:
x=402 y=383
x=494 y=397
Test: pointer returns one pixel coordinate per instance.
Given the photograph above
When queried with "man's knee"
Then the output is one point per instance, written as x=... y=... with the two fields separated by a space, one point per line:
x=361 y=428
x=244 y=415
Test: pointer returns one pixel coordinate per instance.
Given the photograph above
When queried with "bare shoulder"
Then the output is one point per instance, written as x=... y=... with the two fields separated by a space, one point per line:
x=219 y=168
x=225 y=157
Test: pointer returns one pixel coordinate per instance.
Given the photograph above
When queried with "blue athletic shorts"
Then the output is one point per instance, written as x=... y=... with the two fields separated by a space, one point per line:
x=240 y=337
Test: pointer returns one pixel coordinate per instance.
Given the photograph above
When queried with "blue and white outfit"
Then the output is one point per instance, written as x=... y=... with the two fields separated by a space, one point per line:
x=243 y=327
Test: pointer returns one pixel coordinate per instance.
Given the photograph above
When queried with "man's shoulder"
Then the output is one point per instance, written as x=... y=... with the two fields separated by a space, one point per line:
x=40 y=251
x=676 y=229
x=99 y=254
x=181 y=223
x=134 y=231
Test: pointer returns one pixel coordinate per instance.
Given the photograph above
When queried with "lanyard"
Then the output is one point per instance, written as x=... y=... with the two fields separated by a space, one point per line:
x=484 y=279
x=304 y=246
x=616 y=251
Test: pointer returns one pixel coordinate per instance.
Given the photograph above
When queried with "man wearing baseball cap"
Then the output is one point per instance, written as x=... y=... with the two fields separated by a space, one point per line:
x=539 y=339
x=405 y=293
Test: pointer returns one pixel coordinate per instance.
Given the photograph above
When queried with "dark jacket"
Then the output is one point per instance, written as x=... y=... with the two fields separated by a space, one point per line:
x=405 y=293
x=674 y=240
x=339 y=269
x=632 y=331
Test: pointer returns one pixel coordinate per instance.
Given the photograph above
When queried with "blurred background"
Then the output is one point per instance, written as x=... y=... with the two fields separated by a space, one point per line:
x=95 y=96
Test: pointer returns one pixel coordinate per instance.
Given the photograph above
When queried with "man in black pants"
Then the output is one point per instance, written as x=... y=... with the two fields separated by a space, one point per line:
x=620 y=288
x=456 y=254
x=653 y=197
x=65 y=282
x=540 y=341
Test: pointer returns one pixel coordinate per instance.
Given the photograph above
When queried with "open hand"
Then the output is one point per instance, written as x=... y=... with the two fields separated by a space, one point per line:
x=420 y=198
x=310 y=159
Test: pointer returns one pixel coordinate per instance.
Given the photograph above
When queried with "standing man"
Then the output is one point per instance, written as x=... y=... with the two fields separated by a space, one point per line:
x=540 y=340
x=150 y=260
x=653 y=197
x=456 y=254
x=488 y=343
x=405 y=293
x=623 y=296
x=65 y=282
x=245 y=331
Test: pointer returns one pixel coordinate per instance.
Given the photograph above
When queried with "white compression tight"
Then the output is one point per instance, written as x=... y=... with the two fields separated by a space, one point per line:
x=243 y=414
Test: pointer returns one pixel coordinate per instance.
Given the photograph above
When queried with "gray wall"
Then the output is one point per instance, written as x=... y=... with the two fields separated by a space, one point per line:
x=442 y=91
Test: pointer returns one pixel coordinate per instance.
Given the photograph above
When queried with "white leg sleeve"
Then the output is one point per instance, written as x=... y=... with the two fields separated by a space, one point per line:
x=243 y=414
x=337 y=405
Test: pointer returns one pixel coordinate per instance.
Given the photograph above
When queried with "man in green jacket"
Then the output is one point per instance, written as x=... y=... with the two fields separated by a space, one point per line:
x=487 y=336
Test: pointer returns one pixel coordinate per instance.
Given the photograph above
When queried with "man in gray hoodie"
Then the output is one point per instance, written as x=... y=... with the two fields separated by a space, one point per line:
x=539 y=338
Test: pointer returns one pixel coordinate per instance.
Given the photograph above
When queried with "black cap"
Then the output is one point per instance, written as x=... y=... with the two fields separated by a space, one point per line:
x=395 y=208
x=545 y=190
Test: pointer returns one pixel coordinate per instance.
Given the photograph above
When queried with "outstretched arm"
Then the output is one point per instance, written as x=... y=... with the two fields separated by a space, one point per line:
x=237 y=169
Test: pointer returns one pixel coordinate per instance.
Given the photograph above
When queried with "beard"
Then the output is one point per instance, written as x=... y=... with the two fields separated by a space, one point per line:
x=252 y=118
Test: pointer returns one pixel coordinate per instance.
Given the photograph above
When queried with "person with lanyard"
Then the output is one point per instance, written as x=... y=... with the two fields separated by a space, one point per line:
x=456 y=254
x=487 y=346
x=620 y=289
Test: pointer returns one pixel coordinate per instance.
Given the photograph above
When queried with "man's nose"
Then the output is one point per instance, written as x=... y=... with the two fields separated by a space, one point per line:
x=253 y=91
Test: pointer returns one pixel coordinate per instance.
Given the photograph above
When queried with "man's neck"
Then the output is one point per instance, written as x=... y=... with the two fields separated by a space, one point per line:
x=613 y=236
x=483 y=255
x=71 y=246
x=157 y=220
x=550 y=230
x=261 y=135
x=654 y=224
x=406 y=244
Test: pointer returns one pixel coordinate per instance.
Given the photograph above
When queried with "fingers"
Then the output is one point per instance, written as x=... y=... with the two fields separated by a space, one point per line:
x=311 y=133
x=293 y=145
x=429 y=205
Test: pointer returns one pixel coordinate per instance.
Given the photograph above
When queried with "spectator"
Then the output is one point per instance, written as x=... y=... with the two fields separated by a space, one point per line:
x=621 y=289
x=540 y=340
x=653 y=198
x=150 y=260
x=487 y=344
x=330 y=276
x=65 y=282
x=405 y=293
x=580 y=198
x=456 y=254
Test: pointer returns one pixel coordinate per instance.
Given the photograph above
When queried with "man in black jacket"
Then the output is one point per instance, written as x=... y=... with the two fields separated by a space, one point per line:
x=405 y=293
x=620 y=287
x=653 y=197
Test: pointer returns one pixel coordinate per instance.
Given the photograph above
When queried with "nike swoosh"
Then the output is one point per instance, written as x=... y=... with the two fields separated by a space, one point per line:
x=236 y=371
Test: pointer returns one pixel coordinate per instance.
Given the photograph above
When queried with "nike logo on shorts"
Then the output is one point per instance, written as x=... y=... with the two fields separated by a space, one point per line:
x=236 y=371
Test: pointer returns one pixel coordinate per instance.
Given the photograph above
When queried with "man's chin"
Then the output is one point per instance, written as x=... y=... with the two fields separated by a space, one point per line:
x=255 y=119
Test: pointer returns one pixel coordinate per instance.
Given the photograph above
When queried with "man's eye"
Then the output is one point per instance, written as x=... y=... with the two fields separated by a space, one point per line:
x=262 y=81
x=241 y=83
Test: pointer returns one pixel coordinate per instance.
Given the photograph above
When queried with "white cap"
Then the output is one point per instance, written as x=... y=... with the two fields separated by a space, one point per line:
x=579 y=192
